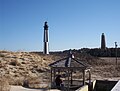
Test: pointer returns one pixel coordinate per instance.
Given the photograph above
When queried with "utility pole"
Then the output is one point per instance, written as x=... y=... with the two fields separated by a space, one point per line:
x=116 y=51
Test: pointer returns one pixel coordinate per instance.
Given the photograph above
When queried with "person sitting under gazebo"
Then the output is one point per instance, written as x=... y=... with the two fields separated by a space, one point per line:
x=58 y=82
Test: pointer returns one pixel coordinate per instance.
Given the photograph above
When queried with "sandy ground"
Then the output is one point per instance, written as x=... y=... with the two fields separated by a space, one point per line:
x=20 y=88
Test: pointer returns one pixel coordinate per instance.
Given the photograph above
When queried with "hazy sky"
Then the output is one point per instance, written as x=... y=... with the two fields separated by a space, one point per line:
x=73 y=24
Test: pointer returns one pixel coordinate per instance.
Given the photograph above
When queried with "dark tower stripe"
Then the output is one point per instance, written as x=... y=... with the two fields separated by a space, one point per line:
x=45 y=32
x=45 y=36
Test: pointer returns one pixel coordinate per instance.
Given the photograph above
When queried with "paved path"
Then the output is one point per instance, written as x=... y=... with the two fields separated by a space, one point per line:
x=116 y=87
x=20 y=88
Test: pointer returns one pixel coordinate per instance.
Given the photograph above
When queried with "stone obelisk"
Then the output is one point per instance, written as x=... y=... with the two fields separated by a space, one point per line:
x=46 y=39
x=103 y=44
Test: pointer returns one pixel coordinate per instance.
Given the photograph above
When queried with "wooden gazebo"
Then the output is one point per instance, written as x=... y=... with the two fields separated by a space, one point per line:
x=68 y=66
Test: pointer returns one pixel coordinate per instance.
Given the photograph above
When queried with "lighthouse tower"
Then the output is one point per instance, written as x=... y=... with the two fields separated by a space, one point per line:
x=46 y=39
x=103 y=44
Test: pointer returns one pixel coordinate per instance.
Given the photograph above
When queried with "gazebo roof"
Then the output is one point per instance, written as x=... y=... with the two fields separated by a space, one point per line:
x=69 y=62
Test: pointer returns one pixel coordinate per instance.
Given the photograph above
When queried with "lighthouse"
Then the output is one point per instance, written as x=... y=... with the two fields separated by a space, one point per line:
x=46 y=39
x=103 y=44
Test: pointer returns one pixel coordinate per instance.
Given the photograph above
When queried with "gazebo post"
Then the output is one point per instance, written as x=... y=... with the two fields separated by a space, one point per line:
x=83 y=77
x=90 y=85
x=89 y=77
x=68 y=80
x=71 y=77
x=51 y=77
x=54 y=74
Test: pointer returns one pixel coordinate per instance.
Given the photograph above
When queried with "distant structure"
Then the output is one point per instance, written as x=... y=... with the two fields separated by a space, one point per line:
x=46 y=41
x=103 y=44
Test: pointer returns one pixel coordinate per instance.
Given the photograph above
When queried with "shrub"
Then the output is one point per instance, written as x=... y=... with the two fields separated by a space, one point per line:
x=14 y=63
x=4 y=85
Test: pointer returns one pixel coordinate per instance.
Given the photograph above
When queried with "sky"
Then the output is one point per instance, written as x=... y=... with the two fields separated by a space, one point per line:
x=73 y=24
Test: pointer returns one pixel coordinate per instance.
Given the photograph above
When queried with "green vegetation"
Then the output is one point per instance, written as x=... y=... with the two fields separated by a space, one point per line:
x=97 y=52
x=108 y=52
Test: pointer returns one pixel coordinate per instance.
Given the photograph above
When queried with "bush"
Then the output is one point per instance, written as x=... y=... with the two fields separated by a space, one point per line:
x=14 y=63
x=4 y=85
x=31 y=82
